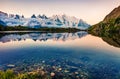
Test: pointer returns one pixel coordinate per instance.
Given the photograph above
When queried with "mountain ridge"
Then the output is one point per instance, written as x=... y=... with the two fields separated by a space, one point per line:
x=111 y=23
x=115 y=13
x=34 y=21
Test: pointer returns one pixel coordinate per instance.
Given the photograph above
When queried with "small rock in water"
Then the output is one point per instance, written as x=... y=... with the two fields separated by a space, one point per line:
x=66 y=71
x=82 y=75
x=52 y=74
x=11 y=65
x=53 y=67
x=42 y=67
x=42 y=73
x=60 y=69
x=43 y=61
x=76 y=73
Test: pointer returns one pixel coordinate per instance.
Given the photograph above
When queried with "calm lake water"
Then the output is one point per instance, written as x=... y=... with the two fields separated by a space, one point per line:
x=73 y=55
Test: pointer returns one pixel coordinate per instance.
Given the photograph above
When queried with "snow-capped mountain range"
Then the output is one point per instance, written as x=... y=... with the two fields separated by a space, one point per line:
x=60 y=21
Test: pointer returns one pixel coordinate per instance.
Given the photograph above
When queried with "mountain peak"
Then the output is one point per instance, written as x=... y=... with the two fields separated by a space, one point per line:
x=23 y=16
x=33 y=16
x=17 y=16
x=3 y=14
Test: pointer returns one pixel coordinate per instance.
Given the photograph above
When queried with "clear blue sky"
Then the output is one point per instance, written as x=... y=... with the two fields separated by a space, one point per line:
x=92 y=11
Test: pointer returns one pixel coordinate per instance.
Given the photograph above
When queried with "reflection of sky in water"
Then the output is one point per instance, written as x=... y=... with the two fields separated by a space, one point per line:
x=69 y=51
x=77 y=40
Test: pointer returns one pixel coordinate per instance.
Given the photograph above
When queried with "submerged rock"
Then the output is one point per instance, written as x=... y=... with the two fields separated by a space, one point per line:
x=11 y=65
x=60 y=69
x=52 y=74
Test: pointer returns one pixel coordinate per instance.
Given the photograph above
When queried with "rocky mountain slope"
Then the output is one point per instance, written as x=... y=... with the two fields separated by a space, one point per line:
x=111 y=23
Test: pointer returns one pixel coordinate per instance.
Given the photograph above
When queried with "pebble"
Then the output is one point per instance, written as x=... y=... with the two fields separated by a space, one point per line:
x=43 y=61
x=42 y=72
x=76 y=73
x=60 y=69
x=53 y=67
x=11 y=65
x=52 y=74
x=42 y=67
x=66 y=71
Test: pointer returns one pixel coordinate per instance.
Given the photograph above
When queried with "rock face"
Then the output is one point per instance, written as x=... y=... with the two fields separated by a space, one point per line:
x=17 y=17
x=3 y=14
x=2 y=23
x=33 y=16
x=59 y=21
x=111 y=23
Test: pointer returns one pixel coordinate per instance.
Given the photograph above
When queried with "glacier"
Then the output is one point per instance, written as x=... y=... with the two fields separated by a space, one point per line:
x=60 y=21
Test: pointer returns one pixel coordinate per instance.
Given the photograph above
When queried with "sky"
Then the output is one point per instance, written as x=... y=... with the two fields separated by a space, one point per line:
x=91 y=11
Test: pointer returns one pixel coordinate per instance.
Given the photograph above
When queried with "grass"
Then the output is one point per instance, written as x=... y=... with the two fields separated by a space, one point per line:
x=9 y=74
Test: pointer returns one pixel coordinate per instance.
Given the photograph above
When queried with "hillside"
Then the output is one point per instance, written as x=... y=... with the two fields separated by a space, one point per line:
x=111 y=23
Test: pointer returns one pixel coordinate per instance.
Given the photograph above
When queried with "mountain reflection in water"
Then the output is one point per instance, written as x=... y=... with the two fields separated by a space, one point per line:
x=41 y=36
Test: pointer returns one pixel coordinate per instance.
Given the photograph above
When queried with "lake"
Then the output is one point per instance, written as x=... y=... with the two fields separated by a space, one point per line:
x=69 y=55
